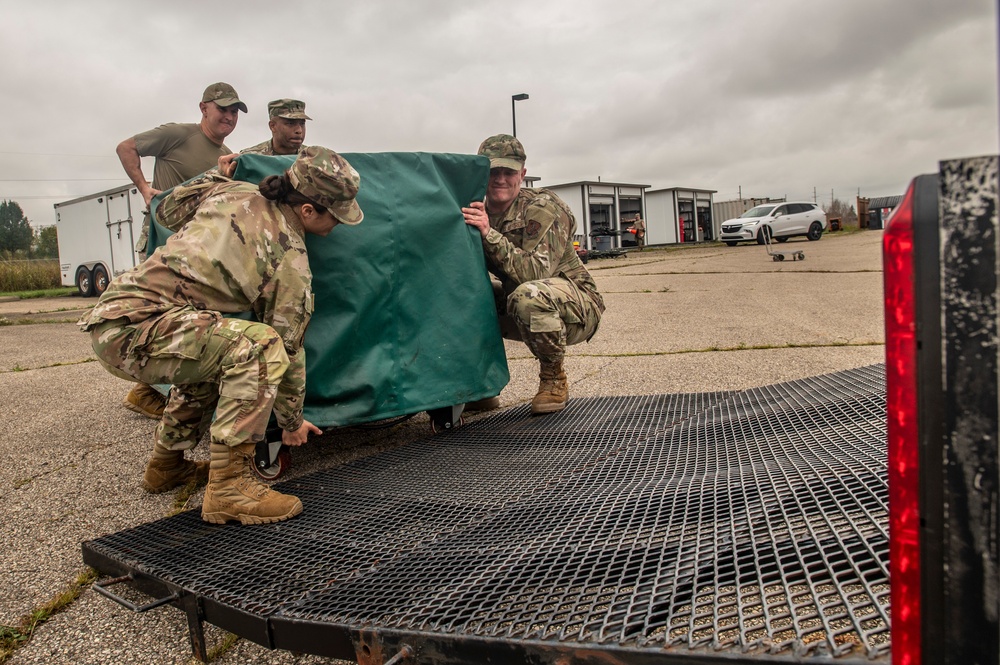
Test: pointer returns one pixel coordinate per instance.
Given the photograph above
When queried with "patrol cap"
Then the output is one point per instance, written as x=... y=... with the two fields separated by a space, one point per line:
x=504 y=151
x=223 y=94
x=323 y=176
x=292 y=109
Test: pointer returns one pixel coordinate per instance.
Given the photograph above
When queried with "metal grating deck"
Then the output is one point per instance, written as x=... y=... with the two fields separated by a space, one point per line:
x=687 y=528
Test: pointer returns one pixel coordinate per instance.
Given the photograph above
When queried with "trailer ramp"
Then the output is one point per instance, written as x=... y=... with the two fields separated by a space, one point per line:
x=691 y=528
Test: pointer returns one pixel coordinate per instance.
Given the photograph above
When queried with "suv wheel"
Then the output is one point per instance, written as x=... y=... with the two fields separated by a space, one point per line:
x=815 y=231
x=760 y=235
x=731 y=243
x=781 y=238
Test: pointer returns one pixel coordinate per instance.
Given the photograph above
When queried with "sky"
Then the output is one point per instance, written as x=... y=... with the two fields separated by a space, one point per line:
x=804 y=99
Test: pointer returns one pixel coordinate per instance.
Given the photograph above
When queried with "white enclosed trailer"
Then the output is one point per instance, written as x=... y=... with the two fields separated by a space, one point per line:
x=97 y=235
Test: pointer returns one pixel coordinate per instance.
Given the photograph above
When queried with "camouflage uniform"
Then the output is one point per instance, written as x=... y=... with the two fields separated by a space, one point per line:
x=292 y=109
x=550 y=297
x=164 y=321
x=264 y=148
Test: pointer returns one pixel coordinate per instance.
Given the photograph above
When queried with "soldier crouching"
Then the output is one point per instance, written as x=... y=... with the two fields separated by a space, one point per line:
x=165 y=322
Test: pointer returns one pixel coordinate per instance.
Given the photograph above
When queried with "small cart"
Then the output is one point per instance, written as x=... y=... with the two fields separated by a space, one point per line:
x=796 y=255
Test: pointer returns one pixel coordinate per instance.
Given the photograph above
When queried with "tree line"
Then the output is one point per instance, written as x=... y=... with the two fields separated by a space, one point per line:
x=18 y=240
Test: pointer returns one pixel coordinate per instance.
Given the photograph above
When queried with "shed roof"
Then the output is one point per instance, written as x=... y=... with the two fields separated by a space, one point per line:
x=884 y=202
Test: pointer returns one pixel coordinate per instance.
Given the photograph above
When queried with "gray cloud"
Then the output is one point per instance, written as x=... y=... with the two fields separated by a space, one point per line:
x=776 y=97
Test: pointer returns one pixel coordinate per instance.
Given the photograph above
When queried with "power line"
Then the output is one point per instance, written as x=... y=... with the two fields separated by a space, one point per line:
x=58 y=179
x=53 y=154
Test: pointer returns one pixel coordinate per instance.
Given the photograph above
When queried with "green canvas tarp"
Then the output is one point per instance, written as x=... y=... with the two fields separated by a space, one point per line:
x=405 y=318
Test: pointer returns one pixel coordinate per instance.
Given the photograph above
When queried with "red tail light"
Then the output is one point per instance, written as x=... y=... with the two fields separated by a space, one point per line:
x=901 y=404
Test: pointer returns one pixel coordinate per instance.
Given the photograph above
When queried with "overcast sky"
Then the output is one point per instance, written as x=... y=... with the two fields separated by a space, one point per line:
x=767 y=97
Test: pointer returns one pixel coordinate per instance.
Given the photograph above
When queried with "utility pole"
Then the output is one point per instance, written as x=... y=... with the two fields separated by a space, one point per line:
x=814 y=195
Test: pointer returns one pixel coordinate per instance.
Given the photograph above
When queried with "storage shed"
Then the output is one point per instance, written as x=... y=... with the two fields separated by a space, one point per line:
x=604 y=211
x=680 y=214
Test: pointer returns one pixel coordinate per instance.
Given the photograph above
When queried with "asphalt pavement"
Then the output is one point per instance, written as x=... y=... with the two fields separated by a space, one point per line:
x=679 y=320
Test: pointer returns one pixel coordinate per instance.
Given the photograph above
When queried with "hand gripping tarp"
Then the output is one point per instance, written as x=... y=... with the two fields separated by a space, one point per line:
x=405 y=319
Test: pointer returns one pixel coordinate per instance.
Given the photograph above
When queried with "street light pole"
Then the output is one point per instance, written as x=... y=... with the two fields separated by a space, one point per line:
x=513 y=114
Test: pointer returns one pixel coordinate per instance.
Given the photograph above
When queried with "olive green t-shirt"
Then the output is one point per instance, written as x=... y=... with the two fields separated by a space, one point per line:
x=182 y=151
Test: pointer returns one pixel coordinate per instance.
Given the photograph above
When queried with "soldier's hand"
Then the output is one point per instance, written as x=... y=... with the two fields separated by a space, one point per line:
x=148 y=194
x=299 y=436
x=227 y=165
x=475 y=216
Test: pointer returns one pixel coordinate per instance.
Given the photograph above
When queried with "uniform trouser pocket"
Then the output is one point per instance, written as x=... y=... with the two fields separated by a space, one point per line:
x=229 y=366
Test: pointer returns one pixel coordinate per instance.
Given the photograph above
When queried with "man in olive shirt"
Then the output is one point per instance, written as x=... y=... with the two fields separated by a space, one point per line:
x=182 y=151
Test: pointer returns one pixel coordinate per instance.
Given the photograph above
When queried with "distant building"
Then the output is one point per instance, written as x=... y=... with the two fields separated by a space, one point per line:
x=680 y=214
x=604 y=211
x=879 y=209
x=726 y=210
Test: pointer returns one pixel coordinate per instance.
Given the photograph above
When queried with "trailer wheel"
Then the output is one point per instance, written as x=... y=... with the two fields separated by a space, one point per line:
x=100 y=281
x=84 y=282
x=282 y=463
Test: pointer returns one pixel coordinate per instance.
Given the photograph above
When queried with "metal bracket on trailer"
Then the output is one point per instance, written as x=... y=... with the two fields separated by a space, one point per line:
x=189 y=602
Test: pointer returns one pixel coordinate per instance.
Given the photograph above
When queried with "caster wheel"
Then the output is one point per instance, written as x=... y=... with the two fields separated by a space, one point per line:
x=437 y=428
x=281 y=464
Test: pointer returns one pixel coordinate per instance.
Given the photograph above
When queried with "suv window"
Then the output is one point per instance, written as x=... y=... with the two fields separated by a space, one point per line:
x=798 y=207
x=782 y=210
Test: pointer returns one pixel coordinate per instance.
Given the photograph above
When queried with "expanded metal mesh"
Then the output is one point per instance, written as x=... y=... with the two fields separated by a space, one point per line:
x=745 y=521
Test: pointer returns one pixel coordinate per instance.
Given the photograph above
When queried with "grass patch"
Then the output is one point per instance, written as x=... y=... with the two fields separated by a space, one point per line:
x=13 y=638
x=4 y=321
x=42 y=293
x=227 y=643
x=184 y=495
x=714 y=349
x=29 y=276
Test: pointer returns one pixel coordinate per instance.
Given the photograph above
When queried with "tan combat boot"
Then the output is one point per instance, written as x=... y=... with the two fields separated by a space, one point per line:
x=145 y=400
x=168 y=469
x=553 y=390
x=235 y=493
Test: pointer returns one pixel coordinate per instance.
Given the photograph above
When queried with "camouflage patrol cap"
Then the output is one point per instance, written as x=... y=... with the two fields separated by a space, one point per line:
x=323 y=176
x=504 y=151
x=223 y=94
x=291 y=109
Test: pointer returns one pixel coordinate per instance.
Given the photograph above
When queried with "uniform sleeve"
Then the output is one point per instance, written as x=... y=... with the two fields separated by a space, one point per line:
x=160 y=140
x=546 y=233
x=286 y=304
x=291 y=393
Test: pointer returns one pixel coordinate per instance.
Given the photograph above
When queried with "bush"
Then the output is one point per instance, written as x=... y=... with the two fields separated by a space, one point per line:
x=29 y=275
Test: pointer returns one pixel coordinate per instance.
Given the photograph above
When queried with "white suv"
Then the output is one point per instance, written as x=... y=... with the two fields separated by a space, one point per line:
x=780 y=221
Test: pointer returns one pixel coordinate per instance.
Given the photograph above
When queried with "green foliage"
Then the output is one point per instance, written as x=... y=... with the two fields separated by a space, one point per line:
x=29 y=275
x=45 y=244
x=15 y=231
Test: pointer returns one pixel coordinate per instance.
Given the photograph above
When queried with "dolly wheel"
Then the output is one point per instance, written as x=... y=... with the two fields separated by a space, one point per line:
x=282 y=463
x=444 y=427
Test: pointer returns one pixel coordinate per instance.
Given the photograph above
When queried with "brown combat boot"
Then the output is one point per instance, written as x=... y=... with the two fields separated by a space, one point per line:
x=145 y=400
x=553 y=390
x=168 y=469
x=235 y=493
